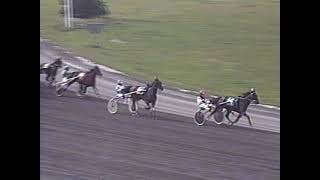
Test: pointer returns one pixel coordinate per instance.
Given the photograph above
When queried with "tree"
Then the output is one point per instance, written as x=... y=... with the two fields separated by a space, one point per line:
x=87 y=8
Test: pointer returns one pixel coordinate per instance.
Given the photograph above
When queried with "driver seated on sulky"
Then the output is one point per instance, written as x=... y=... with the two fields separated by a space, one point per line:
x=202 y=102
x=119 y=89
x=64 y=73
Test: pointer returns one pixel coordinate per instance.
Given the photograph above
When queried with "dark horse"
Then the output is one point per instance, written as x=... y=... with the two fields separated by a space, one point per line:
x=50 y=70
x=240 y=106
x=149 y=96
x=84 y=79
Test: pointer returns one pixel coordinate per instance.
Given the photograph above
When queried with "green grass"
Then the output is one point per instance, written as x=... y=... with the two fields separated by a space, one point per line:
x=222 y=46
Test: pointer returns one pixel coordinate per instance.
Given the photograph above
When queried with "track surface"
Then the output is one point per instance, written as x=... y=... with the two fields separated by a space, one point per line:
x=79 y=140
x=169 y=100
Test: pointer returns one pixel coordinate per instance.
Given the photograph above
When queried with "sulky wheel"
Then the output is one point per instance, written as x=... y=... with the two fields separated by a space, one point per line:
x=218 y=117
x=113 y=105
x=199 y=118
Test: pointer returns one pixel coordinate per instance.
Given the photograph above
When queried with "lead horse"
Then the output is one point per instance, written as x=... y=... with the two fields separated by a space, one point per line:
x=240 y=106
x=84 y=79
x=149 y=97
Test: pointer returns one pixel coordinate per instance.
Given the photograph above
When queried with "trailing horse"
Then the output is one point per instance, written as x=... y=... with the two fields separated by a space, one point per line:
x=50 y=70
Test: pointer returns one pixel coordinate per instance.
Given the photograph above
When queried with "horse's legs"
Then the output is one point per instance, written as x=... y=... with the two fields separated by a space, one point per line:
x=227 y=116
x=53 y=78
x=84 y=89
x=148 y=104
x=48 y=79
x=96 y=91
x=248 y=117
x=80 y=90
x=47 y=76
x=240 y=115
x=153 y=110
x=133 y=107
x=47 y=72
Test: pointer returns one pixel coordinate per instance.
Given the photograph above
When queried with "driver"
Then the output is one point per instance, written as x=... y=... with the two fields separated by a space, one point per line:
x=202 y=102
x=119 y=89
x=64 y=73
x=64 y=80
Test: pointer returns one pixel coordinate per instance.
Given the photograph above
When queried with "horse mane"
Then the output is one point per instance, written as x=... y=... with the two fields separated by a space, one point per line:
x=245 y=94
x=56 y=62
x=247 y=97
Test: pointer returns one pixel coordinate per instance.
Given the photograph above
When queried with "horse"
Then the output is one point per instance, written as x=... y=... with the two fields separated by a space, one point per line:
x=84 y=79
x=240 y=106
x=149 y=96
x=50 y=70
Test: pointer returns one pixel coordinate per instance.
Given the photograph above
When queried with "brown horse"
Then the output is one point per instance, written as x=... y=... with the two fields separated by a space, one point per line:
x=84 y=79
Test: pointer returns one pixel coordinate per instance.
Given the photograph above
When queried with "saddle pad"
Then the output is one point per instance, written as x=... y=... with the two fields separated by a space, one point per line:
x=81 y=75
x=230 y=99
x=141 y=89
x=46 y=65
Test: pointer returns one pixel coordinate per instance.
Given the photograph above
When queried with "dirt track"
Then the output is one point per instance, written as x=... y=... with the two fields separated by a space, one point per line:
x=79 y=139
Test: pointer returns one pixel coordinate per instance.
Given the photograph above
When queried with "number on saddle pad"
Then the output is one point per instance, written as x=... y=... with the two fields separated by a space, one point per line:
x=231 y=100
x=141 y=90
x=46 y=65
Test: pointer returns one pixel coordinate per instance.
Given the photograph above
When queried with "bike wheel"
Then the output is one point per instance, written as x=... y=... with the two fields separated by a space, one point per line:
x=199 y=118
x=113 y=105
x=218 y=117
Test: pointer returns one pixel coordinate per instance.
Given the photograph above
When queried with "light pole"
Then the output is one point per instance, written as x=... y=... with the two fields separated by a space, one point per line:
x=71 y=13
x=65 y=13
x=68 y=13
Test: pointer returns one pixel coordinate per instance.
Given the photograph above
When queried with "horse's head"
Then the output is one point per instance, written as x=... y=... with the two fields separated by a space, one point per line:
x=157 y=84
x=57 y=63
x=97 y=71
x=253 y=96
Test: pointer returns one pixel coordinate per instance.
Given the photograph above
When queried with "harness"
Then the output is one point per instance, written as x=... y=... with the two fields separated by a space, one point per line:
x=232 y=101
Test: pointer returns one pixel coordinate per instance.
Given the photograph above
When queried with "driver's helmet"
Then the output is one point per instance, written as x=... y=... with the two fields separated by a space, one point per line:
x=57 y=58
x=66 y=68
x=119 y=82
x=201 y=93
x=252 y=90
